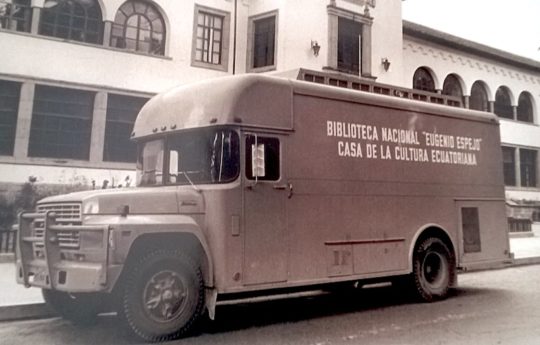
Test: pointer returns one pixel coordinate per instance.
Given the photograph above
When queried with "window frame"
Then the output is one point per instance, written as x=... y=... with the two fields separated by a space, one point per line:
x=11 y=119
x=502 y=107
x=521 y=116
x=251 y=41
x=81 y=122
x=334 y=13
x=509 y=166
x=56 y=24
x=112 y=124
x=224 y=42
x=7 y=20
x=120 y=42
x=532 y=181
x=452 y=86
x=342 y=66
x=422 y=79
x=480 y=96
x=248 y=157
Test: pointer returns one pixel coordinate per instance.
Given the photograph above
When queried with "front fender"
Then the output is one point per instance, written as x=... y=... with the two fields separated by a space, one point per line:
x=125 y=231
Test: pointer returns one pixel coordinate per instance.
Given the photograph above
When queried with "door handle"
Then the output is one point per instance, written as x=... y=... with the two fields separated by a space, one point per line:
x=288 y=186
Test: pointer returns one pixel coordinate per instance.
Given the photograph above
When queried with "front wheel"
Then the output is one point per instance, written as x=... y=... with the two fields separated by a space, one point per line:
x=163 y=295
x=433 y=268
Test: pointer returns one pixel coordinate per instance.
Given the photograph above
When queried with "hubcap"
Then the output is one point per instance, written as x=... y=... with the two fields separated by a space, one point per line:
x=433 y=268
x=164 y=296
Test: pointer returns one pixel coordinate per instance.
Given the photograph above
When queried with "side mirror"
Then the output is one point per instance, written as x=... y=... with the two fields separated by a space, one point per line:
x=257 y=160
x=173 y=163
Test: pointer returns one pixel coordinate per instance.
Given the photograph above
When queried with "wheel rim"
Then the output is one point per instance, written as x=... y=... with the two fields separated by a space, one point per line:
x=434 y=269
x=165 y=296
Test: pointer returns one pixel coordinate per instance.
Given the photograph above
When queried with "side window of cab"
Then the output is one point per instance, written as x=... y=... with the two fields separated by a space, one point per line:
x=262 y=158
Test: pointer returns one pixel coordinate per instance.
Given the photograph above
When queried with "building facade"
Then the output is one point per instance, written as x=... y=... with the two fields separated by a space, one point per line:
x=74 y=73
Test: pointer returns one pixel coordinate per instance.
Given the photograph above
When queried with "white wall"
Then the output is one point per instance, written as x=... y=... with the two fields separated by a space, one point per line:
x=48 y=58
x=387 y=42
x=19 y=173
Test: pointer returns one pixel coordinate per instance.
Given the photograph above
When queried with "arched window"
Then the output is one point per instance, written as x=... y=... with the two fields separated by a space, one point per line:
x=15 y=15
x=139 y=26
x=452 y=86
x=503 y=103
x=422 y=80
x=78 y=20
x=479 y=98
x=525 y=108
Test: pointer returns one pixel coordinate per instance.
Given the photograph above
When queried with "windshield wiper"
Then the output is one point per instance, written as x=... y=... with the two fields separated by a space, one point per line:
x=197 y=189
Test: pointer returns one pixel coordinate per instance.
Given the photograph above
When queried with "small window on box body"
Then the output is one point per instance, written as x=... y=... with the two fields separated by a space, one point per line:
x=269 y=149
x=471 y=230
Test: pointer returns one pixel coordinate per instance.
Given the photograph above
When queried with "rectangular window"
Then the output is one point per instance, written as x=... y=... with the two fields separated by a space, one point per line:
x=15 y=15
x=509 y=166
x=527 y=159
x=349 y=36
x=263 y=42
x=471 y=230
x=121 y=114
x=209 y=35
x=9 y=106
x=269 y=167
x=61 y=123
x=211 y=38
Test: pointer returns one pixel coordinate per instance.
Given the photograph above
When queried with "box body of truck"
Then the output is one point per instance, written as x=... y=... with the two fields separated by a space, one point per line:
x=265 y=184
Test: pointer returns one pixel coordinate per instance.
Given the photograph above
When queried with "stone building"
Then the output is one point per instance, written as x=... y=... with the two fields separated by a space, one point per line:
x=74 y=73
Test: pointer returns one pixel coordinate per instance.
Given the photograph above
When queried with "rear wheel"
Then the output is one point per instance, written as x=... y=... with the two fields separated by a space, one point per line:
x=163 y=295
x=79 y=308
x=433 y=268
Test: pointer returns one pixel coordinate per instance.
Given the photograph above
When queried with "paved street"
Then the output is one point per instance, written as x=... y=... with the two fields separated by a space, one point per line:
x=491 y=307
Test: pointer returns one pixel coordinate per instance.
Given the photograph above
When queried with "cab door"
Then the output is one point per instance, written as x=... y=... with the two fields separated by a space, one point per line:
x=266 y=192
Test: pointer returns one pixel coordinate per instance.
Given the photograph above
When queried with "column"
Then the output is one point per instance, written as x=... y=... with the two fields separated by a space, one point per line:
x=517 y=167
x=24 y=120
x=36 y=15
x=491 y=106
x=99 y=121
x=467 y=102
x=514 y=112
x=365 y=50
x=107 y=29
x=332 y=41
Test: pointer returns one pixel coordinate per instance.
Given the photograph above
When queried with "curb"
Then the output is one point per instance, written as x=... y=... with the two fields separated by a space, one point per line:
x=7 y=257
x=526 y=261
x=25 y=312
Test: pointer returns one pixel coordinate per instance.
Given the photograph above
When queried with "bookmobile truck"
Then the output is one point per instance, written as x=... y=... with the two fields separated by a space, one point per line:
x=256 y=185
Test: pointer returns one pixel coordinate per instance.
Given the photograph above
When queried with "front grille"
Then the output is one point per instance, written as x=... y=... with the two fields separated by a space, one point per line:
x=66 y=214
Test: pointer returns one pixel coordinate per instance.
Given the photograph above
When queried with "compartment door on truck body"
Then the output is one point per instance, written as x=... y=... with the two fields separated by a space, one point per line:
x=483 y=231
x=265 y=197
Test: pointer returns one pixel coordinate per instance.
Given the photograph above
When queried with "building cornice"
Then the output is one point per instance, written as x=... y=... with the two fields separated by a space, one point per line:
x=431 y=35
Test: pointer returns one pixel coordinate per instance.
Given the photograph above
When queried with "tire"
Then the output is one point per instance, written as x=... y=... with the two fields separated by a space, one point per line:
x=433 y=270
x=163 y=295
x=79 y=308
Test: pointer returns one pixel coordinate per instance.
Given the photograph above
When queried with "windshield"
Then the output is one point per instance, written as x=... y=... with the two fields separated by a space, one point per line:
x=193 y=157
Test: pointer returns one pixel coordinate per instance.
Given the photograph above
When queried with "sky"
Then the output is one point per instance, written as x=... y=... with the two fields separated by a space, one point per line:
x=513 y=26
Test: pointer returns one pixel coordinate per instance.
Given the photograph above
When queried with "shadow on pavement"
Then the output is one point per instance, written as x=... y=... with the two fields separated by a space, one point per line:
x=230 y=318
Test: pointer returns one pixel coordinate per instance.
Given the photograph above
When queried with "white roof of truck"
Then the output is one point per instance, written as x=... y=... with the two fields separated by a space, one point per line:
x=255 y=100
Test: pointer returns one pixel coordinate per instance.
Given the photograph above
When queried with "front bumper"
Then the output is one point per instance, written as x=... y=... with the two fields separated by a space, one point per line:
x=45 y=261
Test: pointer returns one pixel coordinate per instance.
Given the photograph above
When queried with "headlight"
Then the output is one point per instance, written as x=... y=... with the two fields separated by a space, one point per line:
x=91 y=239
x=91 y=207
